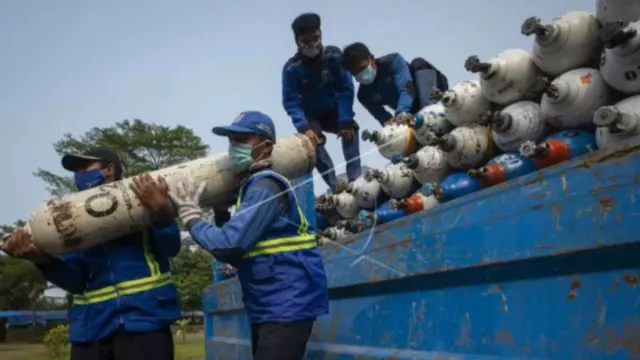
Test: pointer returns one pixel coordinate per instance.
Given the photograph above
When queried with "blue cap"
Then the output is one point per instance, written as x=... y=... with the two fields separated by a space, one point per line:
x=249 y=122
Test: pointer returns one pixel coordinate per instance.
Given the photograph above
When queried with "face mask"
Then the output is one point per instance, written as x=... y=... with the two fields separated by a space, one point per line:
x=311 y=50
x=88 y=179
x=240 y=158
x=367 y=75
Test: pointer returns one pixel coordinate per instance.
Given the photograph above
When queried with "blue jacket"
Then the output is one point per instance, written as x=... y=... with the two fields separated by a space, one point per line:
x=308 y=91
x=146 y=305
x=392 y=87
x=279 y=265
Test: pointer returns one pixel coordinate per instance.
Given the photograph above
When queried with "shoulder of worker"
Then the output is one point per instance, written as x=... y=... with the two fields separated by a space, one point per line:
x=294 y=63
x=387 y=62
x=332 y=53
x=274 y=185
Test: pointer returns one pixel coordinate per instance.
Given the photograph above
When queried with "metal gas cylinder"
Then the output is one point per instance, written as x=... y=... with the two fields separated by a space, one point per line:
x=617 y=10
x=501 y=168
x=87 y=218
x=509 y=77
x=429 y=121
x=222 y=271
x=467 y=147
x=381 y=217
x=396 y=180
x=392 y=139
x=618 y=122
x=416 y=203
x=367 y=192
x=452 y=187
x=345 y=204
x=559 y=147
x=335 y=234
x=428 y=164
x=620 y=60
x=571 y=99
x=464 y=103
x=570 y=41
x=515 y=124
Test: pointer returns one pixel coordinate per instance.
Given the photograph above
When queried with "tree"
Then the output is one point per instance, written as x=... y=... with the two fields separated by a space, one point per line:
x=142 y=147
x=192 y=273
x=21 y=284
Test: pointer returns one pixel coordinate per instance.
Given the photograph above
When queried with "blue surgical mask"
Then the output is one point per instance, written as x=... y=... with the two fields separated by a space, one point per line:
x=88 y=179
x=367 y=75
x=240 y=158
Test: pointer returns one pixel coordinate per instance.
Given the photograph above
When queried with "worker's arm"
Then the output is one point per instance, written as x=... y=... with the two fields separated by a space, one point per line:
x=68 y=273
x=374 y=108
x=166 y=240
x=261 y=206
x=292 y=99
x=404 y=84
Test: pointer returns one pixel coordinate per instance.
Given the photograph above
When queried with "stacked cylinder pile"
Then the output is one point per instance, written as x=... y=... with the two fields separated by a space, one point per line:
x=576 y=90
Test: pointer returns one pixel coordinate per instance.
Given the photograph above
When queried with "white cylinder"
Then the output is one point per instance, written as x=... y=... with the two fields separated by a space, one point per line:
x=366 y=191
x=573 y=97
x=620 y=61
x=430 y=165
x=519 y=122
x=84 y=219
x=468 y=147
x=570 y=41
x=617 y=10
x=432 y=120
x=618 y=122
x=464 y=103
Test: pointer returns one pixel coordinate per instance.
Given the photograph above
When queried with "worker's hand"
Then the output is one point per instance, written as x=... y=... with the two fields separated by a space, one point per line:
x=20 y=245
x=403 y=118
x=186 y=199
x=153 y=194
x=315 y=139
x=347 y=134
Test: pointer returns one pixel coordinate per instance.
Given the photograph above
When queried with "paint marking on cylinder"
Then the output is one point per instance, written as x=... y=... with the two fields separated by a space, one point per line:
x=411 y=143
x=585 y=79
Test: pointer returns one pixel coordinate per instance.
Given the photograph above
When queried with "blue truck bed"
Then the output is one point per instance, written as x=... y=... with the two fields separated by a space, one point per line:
x=542 y=267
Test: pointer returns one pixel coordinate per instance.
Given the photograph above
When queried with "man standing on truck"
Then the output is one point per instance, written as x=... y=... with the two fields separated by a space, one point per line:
x=391 y=81
x=318 y=94
x=278 y=262
x=125 y=301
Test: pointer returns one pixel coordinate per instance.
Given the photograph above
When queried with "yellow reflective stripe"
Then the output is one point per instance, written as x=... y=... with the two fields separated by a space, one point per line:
x=306 y=242
x=154 y=267
x=124 y=288
x=282 y=241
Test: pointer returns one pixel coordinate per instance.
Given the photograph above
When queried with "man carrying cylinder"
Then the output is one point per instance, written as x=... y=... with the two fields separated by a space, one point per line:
x=267 y=240
x=391 y=81
x=124 y=299
x=318 y=94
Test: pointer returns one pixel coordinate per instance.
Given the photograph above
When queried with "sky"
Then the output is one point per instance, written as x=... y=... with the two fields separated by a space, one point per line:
x=68 y=66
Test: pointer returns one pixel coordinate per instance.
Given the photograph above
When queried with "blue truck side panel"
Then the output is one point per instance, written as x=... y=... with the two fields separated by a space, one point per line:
x=542 y=267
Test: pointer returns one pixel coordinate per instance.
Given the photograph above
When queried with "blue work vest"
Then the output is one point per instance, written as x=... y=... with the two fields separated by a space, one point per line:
x=283 y=276
x=128 y=289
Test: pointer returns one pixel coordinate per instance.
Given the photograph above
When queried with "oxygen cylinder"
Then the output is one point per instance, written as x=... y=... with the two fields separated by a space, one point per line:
x=431 y=121
x=84 y=219
x=335 y=234
x=515 y=124
x=570 y=41
x=415 y=203
x=503 y=167
x=452 y=187
x=381 y=217
x=466 y=147
x=345 y=204
x=571 y=99
x=620 y=60
x=396 y=180
x=559 y=147
x=618 y=122
x=428 y=164
x=617 y=10
x=367 y=219
x=367 y=192
x=464 y=104
x=222 y=271
x=509 y=77
x=392 y=139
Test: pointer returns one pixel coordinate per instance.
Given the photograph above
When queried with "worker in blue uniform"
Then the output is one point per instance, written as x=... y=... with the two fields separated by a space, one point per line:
x=124 y=299
x=391 y=81
x=267 y=240
x=318 y=94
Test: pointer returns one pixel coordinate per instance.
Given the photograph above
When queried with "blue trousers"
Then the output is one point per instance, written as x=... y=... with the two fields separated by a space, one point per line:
x=327 y=121
x=426 y=77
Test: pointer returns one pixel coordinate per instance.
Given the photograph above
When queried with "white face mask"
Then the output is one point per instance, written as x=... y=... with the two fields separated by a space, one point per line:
x=311 y=50
x=366 y=76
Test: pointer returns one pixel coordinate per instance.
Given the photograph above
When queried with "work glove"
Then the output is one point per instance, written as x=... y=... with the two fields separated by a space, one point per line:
x=186 y=200
x=403 y=118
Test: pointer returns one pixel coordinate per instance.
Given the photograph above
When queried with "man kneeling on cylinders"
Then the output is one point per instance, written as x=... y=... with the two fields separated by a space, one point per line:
x=391 y=81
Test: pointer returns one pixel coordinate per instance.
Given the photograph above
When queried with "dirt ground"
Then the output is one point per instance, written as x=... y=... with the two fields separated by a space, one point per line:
x=191 y=349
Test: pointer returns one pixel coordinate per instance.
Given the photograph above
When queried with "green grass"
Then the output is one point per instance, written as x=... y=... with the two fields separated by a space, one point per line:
x=191 y=349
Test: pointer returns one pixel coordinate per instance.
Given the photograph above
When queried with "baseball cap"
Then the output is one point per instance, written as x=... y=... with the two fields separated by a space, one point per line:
x=249 y=122
x=75 y=162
